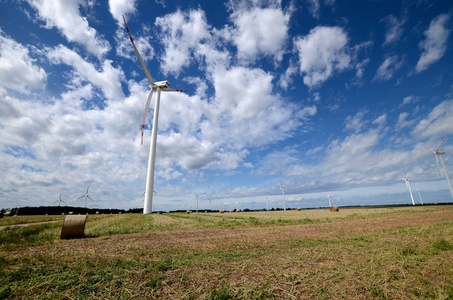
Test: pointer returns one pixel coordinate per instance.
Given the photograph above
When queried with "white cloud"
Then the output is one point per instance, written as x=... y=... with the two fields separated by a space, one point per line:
x=118 y=8
x=438 y=122
x=435 y=43
x=322 y=53
x=18 y=70
x=181 y=33
x=387 y=68
x=259 y=31
x=394 y=30
x=65 y=16
x=314 y=8
x=108 y=80
x=125 y=49
x=381 y=120
x=403 y=122
x=356 y=123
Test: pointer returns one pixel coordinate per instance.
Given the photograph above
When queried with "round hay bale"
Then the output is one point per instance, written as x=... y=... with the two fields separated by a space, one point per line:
x=334 y=208
x=70 y=213
x=8 y=214
x=298 y=209
x=222 y=211
x=188 y=211
x=97 y=213
x=237 y=210
x=73 y=227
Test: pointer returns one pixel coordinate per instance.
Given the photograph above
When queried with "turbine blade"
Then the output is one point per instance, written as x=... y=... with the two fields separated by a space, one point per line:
x=437 y=162
x=173 y=90
x=441 y=142
x=146 y=112
x=80 y=197
x=148 y=75
x=429 y=150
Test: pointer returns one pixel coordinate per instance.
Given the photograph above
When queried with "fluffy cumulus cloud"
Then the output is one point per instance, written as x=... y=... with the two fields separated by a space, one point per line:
x=118 y=8
x=435 y=44
x=322 y=53
x=181 y=33
x=259 y=30
x=18 y=70
x=108 y=80
x=65 y=16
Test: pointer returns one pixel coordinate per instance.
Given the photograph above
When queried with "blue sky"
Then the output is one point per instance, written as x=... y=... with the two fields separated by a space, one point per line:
x=329 y=97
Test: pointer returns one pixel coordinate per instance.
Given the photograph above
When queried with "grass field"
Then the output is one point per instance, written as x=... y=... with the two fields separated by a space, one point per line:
x=356 y=253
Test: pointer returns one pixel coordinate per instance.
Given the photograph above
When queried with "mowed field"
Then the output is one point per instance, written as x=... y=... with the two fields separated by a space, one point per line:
x=356 y=253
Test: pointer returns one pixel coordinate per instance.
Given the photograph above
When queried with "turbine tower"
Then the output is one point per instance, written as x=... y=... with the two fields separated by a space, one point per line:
x=283 y=193
x=196 y=195
x=267 y=203
x=408 y=185
x=439 y=154
x=421 y=200
x=330 y=203
x=87 y=196
x=158 y=86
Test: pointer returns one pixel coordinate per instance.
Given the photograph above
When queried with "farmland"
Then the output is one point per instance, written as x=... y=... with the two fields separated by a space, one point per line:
x=361 y=253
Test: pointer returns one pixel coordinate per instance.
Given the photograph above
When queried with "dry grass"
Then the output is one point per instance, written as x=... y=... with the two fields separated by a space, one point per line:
x=401 y=253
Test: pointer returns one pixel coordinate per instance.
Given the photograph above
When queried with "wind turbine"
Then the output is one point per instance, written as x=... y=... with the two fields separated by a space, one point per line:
x=283 y=193
x=197 y=200
x=421 y=200
x=330 y=203
x=267 y=203
x=408 y=185
x=438 y=153
x=158 y=86
x=59 y=200
x=210 y=202
x=87 y=196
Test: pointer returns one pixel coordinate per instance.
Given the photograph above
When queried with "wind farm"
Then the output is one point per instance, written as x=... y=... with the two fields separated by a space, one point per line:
x=279 y=174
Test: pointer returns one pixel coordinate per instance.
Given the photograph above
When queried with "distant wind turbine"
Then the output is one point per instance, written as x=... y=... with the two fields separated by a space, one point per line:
x=330 y=203
x=159 y=86
x=87 y=196
x=59 y=200
x=283 y=193
x=439 y=154
x=267 y=203
x=210 y=202
x=421 y=200
x=196 y=195
x=408 y=185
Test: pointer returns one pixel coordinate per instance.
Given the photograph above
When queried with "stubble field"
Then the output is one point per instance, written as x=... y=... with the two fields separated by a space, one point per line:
x=356 y=253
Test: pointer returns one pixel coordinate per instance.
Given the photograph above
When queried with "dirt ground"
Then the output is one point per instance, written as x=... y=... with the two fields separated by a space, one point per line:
x=355 y=257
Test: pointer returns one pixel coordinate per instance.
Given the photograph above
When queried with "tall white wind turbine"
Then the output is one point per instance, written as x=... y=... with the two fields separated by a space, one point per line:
x=419 y=194
x=158 y=86
x=439 y=154
x=283 y=193
x=408 y=185
x=87 y=196
x=330 y=203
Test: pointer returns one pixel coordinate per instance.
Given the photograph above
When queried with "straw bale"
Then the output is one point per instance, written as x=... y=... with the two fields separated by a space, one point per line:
x=334 y=208
x=298 y=209
x=221 y=211
x=188 y=211
x=73 y=226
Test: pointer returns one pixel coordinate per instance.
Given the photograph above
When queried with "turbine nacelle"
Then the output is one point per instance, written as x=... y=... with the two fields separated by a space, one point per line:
x=161 y=84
